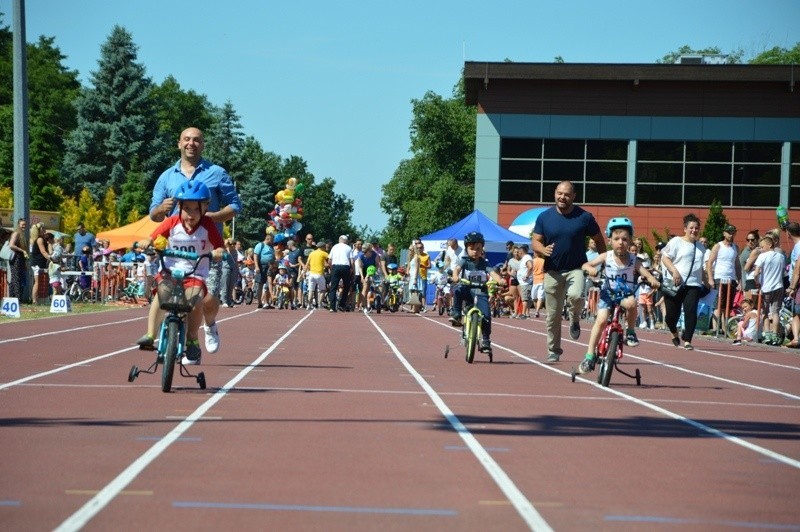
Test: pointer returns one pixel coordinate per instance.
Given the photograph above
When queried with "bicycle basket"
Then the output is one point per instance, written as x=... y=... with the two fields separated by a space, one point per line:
x=172 y=296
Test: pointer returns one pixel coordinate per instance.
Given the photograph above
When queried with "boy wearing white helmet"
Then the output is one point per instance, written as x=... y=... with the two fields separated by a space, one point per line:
x=620 y=268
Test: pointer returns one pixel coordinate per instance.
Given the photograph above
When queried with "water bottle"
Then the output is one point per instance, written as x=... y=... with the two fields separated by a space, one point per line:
x=783 y=217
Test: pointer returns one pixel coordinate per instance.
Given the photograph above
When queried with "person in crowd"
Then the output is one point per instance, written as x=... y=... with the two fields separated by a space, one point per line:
x=316 y=265
x=389 y=257
x=357 y=283
x=134 y=254
x=191 y=228
x=724 y=268
x=682 y=259
x=366 y=258
x=748 y=282
x=293 y=255
x=747 y=327
x=412 y=274
x=537 y=288
x=424 y=265
x=512 y=267
x=525 y=281
x=264 y=253
x=793 y=230
x=230 y=274
x=341 y=266
x=86 y=267
x=82 y=238
x=224 y=205
x=18 y=265
x=40 y=257
x=642 y=253
x=559 y=236
x=475 y=268
x=769 y=268
x=620 y=267
x=453 y=252
x=56 y=263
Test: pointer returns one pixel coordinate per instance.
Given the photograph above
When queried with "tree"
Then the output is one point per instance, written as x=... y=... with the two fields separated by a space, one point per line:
x=435 y=187
x=715 y=222
x=326 y=213
x=134 y=199
x=778 y=56
x=116 y=128
x=110 y=215
x=51 y=116
x=176 y=110
x=735 y=57
x=225 y=141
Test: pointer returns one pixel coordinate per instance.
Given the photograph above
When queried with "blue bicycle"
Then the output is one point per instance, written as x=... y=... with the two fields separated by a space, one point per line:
x=172 y=337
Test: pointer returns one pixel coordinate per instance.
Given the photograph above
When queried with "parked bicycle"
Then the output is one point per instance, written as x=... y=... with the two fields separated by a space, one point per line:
x=75 y=292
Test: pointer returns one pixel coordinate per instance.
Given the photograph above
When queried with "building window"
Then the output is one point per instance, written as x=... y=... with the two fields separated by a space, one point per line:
x=530 y=169
x=794 y=175
x=737 y=174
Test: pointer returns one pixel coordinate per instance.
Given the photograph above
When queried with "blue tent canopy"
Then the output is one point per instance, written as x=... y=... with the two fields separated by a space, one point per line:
x=496 y=236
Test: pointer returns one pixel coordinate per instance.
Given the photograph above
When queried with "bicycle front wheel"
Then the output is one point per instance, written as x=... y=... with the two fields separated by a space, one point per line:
x=170 y=356
x=238 y=296
x=473 y=321
x=607 y=362
x=248 y=296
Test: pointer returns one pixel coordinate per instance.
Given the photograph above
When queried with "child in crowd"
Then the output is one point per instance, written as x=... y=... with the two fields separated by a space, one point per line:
x=646 y=306
x=189 y=230
x=621 y=267
x=282 y=282
x=475 y=268
x=748 y=323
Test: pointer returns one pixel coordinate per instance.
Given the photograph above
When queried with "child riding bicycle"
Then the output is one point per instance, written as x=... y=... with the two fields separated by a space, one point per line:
x=189 y=230
x=474 y=268
x=621 y=268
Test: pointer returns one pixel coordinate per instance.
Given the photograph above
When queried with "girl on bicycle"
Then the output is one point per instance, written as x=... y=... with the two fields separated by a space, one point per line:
x=621 y=268
x=474 y=268
x=189 y=230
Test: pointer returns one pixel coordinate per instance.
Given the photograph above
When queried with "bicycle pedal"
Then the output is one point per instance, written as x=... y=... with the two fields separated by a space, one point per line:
x=147 y=348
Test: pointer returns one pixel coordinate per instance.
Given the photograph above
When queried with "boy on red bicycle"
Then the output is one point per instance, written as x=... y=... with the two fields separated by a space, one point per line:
x=620 y=268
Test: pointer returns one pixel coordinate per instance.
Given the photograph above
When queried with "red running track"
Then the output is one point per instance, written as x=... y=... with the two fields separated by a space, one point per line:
x=353 y=422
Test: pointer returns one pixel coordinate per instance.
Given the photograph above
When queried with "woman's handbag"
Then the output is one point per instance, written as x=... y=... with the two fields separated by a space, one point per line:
x=668 y=287
x=5 y=252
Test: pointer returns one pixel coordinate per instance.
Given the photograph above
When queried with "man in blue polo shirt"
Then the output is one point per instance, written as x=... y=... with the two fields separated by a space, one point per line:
x=559 y=236
x=224 y=205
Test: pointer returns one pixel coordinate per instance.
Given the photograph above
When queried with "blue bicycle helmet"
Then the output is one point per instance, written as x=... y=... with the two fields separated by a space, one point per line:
x=391 y=266
x=621 y=222
x=193 y=190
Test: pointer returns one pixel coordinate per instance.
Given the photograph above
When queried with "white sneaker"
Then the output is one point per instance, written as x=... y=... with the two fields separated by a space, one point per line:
x=212 y=338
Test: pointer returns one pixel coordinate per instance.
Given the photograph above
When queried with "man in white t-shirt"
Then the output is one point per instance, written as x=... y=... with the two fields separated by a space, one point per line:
x=341 y=265
x=525 y=279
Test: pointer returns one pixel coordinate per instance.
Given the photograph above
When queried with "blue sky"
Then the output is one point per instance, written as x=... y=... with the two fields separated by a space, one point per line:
x=332 y=82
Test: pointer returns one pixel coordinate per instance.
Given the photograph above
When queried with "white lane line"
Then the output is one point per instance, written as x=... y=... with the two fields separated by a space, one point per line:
x=4 y=386
x=79 y=519
x=74 y=329
x=685 y=370
x=526 y=510
x=59 y=369
x=668 y=413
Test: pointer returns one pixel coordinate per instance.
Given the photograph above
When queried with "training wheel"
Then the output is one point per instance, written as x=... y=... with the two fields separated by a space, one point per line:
x=201 y=380
x=446 y=350
x=638 y=378
x=133 y=374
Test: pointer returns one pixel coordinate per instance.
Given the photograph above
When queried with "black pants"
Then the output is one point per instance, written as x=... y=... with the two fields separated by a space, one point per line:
x=339 y=273
x=687 y=298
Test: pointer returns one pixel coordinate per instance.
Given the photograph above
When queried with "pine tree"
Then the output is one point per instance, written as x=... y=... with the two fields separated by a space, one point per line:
x=225 y=141
x=116 y=122
x=715 y=223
